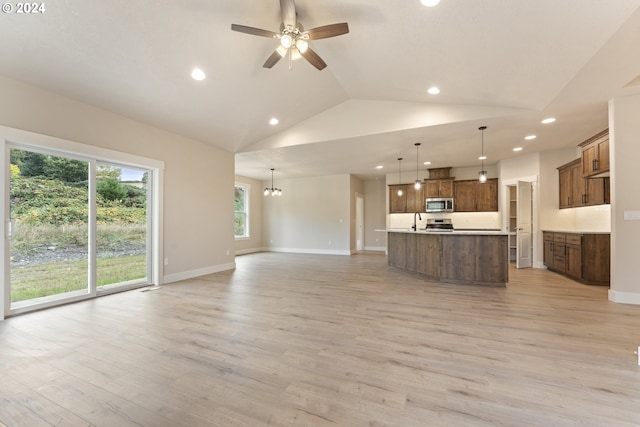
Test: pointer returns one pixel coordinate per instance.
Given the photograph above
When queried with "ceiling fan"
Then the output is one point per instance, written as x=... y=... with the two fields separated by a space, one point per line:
x=293 y=37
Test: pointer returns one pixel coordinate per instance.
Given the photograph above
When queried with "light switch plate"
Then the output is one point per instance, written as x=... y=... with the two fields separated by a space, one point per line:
x=632 y=216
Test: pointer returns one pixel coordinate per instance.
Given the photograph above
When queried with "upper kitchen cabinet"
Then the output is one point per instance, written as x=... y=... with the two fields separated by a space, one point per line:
x=595 y=154
x=397 y=204
x=576 y=191
x=474 y=196
x=439 y=184
x=415 y=199
x=439 y=187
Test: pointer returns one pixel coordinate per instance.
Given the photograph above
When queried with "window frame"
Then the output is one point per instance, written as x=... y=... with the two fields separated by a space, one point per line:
x=247 y=191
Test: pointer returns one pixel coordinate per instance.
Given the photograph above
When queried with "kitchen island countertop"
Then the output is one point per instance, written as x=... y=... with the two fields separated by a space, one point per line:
x=454 y=232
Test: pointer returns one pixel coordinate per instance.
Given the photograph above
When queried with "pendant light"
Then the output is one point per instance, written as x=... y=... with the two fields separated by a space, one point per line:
x=273 y=191
x=417 y=185
x=482 y=175
x=399 y=176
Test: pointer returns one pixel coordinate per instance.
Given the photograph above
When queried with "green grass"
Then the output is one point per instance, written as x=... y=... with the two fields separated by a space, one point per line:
x=34 y=281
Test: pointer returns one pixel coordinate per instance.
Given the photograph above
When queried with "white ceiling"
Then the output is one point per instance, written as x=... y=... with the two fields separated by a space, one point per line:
x=505 y=64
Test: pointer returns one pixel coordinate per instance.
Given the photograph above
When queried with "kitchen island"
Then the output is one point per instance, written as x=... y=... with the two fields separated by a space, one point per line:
x=468 y=257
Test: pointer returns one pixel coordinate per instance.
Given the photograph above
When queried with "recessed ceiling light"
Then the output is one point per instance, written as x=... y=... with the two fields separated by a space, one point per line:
x=198 y=74
x=379 y=167
x=427 y=163
x=433 y=90
x=429 y=3
x=548 y=120
x=274 y=121
x=517 y=149
x=482 y=158
x=530 y=137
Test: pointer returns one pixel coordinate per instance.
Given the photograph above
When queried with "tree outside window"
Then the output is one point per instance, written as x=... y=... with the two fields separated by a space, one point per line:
x=241 y=204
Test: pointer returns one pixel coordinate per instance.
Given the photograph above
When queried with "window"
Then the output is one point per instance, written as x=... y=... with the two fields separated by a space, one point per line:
x=241 y=206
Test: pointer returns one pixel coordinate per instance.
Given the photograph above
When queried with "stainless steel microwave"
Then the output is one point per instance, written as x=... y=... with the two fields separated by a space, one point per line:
x=440 y=204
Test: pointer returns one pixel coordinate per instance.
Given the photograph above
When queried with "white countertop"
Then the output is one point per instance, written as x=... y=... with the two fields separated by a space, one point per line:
x=454 y=232
x=577 y=232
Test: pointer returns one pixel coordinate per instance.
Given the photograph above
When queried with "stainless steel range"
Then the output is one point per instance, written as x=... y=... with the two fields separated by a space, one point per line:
x=439 y=224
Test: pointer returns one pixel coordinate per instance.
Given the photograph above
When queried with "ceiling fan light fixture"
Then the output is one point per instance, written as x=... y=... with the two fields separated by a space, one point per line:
x=282 y=51
x=302 y=45
x=295 y=53
x=286 y=41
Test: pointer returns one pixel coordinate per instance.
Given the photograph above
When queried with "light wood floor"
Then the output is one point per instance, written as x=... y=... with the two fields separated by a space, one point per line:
x=290 y=339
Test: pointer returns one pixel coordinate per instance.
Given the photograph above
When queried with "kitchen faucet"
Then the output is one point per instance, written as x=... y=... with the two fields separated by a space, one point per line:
x=415 y=225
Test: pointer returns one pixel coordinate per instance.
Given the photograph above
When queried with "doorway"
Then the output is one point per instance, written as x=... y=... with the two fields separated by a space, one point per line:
x=359 y=222
x=520 y=220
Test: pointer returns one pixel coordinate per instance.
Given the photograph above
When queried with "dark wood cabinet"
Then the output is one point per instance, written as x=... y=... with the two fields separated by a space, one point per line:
x=397 y=204
x=415 y=199
x=574 y=190
x=411 y=201
x=439 y=187
x=582 y=256
x=548 y=250
x=487 y=196
x=464 y=196
x=450 y=257
x=474 y=196
x=595 y=154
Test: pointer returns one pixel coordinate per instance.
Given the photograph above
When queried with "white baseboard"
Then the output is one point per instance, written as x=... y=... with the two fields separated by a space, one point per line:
x=309 y=251
x=376 y=248
x=176 y=277
x=249 y=251
x=624 y=297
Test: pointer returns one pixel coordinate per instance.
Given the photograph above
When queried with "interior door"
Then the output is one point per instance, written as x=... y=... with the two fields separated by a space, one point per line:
x=523 y=225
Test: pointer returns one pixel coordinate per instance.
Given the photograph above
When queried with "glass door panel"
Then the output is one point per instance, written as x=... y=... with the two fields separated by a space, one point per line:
x=121 y=227
x=49 y=199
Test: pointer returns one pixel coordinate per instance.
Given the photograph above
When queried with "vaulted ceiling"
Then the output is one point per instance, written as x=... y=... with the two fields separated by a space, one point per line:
x=501 y=63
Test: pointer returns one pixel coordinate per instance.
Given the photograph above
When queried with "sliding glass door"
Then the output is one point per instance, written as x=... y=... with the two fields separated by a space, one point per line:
x=49 y=227
x=78 y=228
x=122 y=233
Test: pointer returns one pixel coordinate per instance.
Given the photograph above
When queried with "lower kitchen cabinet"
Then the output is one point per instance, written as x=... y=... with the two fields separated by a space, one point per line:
x=581 y=256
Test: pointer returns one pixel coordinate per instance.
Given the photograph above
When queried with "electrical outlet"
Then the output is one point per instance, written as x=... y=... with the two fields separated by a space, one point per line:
x=166 y=261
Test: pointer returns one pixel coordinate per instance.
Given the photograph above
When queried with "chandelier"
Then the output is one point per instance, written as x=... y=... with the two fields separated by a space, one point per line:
x=272 y=191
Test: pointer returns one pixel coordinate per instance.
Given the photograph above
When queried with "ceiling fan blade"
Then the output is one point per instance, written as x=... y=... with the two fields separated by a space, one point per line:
x=328 y=31
x=254 y=31
x=272 y=60
x=314 y=59
x=288 y=9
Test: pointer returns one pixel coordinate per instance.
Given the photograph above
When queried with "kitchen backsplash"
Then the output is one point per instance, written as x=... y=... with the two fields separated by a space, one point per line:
x=461 y=220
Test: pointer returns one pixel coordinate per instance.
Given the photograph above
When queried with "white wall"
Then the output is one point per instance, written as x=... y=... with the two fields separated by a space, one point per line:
x=254 y=242
x=198 y=179
x=624 y=133
x=313 y=215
